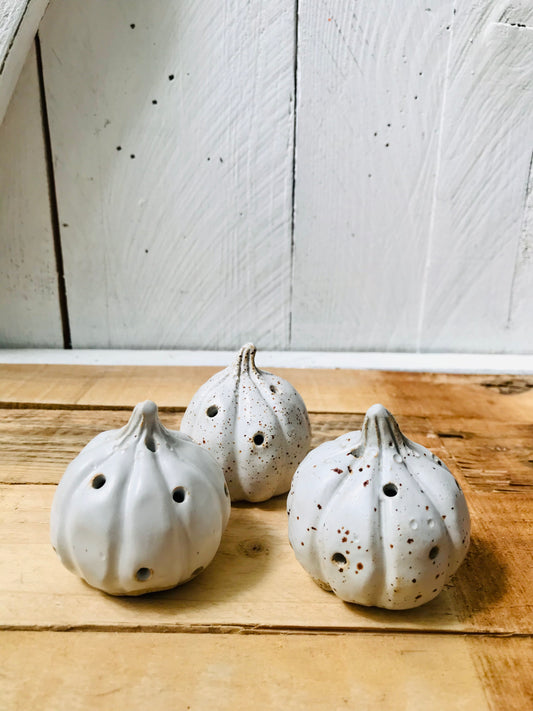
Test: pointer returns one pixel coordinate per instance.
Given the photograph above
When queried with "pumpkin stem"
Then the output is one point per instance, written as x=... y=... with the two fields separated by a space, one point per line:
x=245 y=360
x=380 y=429
x=145 y=418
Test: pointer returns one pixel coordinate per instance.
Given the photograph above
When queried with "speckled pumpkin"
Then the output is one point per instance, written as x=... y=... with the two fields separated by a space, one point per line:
x=376 y=518
x=254 y=423
x=141 y=508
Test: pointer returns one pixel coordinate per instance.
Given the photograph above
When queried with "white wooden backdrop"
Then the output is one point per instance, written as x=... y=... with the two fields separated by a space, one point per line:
x=306 y=174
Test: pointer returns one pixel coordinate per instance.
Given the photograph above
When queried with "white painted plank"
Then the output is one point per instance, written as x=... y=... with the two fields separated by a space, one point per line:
x=407 y=362
x=370 y=90
x=29 y=305
x=188 y=243
x=19 y=20
x=479 y=280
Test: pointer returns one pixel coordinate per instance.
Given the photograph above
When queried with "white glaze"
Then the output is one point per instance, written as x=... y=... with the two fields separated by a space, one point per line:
x=395 y=551
x=237 y=407
x=157 y=519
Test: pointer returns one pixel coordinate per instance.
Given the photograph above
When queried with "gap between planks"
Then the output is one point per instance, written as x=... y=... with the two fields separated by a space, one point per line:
x=267 y=629
x=11 y=405
x=8 y=405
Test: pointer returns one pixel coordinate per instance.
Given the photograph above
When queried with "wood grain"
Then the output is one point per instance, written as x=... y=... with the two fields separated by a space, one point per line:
x=498 y=398
x=411 y=226
x=172 y=132
x=490 y=592
x=28 y=278
x=254 y=616
x=504 y=669
x=220 y=671
x=37 y=444
x=413 y=197
x=479 y=271
x=370 y=93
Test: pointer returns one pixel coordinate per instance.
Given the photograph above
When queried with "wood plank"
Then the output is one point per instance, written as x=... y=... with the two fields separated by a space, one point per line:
x=242 y=588
x=301 y=641
x=501 y=398
x=504 y=669
x=175 y=208
x=479 y=273
x=492 y=456
x=37 y=444
x=370 y=93
x=28 y=277
x=371 y=672
x=100 y=386
x=19 y=20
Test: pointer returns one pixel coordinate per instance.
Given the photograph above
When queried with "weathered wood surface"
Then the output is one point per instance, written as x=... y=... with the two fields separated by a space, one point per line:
x=371 y=84
x=29 y=303
x=500 y=398
x=398 y=215
x=255 y=582
x=373 y=672
x=413 y=186
x=472 y=647
x=19 y=20
x=172 y=132
x=479 y=275
x=197 y=672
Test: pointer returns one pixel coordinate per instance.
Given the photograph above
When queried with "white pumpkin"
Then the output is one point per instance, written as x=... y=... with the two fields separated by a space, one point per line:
x=254 y=423
x=141 y=508
x=376 y=518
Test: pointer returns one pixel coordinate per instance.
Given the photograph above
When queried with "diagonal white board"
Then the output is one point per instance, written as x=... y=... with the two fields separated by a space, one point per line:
x=19 y=20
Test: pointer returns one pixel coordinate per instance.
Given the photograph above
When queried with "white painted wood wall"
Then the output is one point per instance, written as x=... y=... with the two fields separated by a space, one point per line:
x=309 y=175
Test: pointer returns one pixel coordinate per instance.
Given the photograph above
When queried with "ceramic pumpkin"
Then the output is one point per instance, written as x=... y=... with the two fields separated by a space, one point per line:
x=141 y=508
x=254 y=423
x=376 y=518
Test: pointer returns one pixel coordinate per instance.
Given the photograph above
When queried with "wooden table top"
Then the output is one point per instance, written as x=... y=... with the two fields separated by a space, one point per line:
x=254 y=630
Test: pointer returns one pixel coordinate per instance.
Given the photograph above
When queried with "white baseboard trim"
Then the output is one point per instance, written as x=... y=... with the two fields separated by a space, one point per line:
x=414 y=362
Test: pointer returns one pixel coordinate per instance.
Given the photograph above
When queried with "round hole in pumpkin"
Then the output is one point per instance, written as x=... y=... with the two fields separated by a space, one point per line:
x=98 y=481
x=390 y=489
x=273 y=389
x=338 y=558
x=212 y=411
x=434 y=552
x=259 y=438
x=226 y=491
x=144 y=574
x=197 y=571
x=179 y=494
